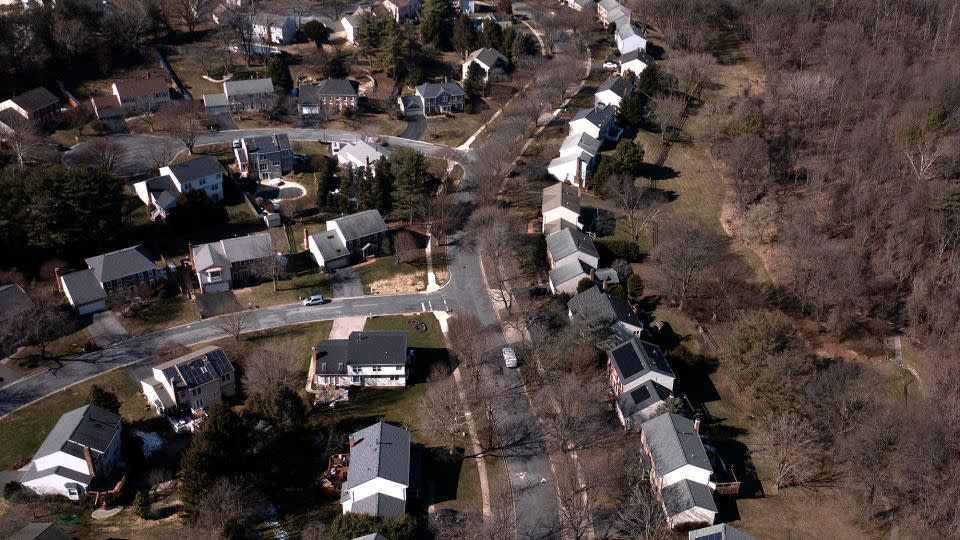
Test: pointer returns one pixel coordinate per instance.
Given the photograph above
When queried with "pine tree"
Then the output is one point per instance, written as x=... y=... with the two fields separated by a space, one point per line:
x=464 y=35
x=473 y=84
x=384 y=177
x=648 y=82
x=101 y=397
x=394 y=50
x=141 y=505
x=369 y=33
x=412 y=182
x=218 y=449
x=436 y=23
x=279 y=72
x=492 y=35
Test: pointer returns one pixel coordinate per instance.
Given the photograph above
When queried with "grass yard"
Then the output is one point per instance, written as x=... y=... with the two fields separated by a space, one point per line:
x=24 y=430
x=455 y=130
x=304 y=335
x=431 y=339
x=161 y=313
x=377 y=275
x=27 y=359
x=288 y=290
x=311 y=148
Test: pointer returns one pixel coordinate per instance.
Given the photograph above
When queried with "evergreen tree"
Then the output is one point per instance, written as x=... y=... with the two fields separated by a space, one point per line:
x=326 y=182
x=492 y=35
x=369 y=34
x=281 y=405
x=141 y=505
x=523 y=45
x=473 y=84
x=648 y=82
x=394 y=50
x=464 y=35
x=219 y=449
x=629 y=157
x=634 y=287
x=101 y=397
x=279 y=72
x=436 y=23
x=315 y=31
x=412 y=182
x=630 y=112
x=384 y=177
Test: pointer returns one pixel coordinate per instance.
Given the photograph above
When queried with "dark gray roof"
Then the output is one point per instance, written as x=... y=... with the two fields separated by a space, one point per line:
x=432 y=90
x=686 y=495
x=121 y=263
x=566 y=242
x=195 y=168
x=248 y=87
x=233 y=250
x=196 y=368
x=411 y=103
x=584 y=141
x=87 y=427
x=487 y=56
x=674 y=443
x=638 y=54
x=327 y=87
x=598 y=116
x=379 y=451
x=379 y=505
x=646 y=395
x=40 y=531
x=83 y=287
x=329 y=245
x=267 y=143
x=36 y=99
x=634 y=358
x=215 y=100
x=567 y=272
x=13 y=301
x=596 y=303
x=606 y=275
x=265 y=18
x=361 y=224
x=32 y=473
x=561 y=194
x=10 y=118
x=362 y=348
x=719 y=532
x=332 y=357
x=164 y=191
x=616 y=84
x=551 y=227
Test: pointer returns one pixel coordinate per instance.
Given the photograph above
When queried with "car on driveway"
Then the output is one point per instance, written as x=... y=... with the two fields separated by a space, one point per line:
x=314 y=300
x=509 y=357
x=610 y=64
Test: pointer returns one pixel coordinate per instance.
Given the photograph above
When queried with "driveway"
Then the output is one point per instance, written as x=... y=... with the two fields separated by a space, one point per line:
x=346 y=283
x=106 y=329
x=416 y=125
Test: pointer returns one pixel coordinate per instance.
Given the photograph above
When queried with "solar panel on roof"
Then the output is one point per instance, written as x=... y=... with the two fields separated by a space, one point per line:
x=640 y=394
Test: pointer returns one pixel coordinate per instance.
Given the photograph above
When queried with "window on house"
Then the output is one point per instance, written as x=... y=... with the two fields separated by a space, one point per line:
x=377 y=369
x=394 y=378
x=357 y=379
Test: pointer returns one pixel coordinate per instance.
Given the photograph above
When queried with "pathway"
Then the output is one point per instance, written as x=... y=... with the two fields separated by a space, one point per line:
x=431 y=276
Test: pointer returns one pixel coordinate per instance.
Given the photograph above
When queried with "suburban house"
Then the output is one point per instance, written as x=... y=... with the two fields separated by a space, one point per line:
x=688 y=504
x=676 y=453
x=487 y=59
x=718 y=532
x=329 y=94
x=629 y=38
x=560 y=208
x=594 y=302
x=612 y=92
x=229 y=263
x=352 y=22
x=269 y=28
x=13 y=301
x=566 y=277
x=40 y=531
x=363 y=359
x=191 y=382
x=465 y=6
x=161 y=193
x=578 y=157
x=355 y=235
x=587 y=6
x=635 y=62
x=634 y=362
x=568 y=245
x=327 y=250
x=83 y=291
x=612 y=11
x=598 y=122
x=264 y=157
x=141 y=95
x=38 y=104
x=434 y=98
x=216 y=103
x=360 y=153
x=105 y=107
x=640 y=404
x=83 y=445
x=379 y=473
x=402 y=9
x=249 y=95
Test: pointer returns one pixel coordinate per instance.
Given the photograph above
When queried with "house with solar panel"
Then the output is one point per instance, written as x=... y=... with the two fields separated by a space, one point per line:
x=379 y=475
x=83 y=446
x=190 y=383
x=634 y=362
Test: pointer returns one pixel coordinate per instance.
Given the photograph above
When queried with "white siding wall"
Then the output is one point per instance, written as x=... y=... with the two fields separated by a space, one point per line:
x=660 y=378
x=62 y=459
x=687 y=472
x=375 y=486
x=561 y=213
x=584 y=126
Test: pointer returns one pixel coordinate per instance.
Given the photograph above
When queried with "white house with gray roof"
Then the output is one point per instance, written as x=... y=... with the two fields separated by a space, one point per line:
x=598 y=122
x=560 y=207
x=612 y=11
x=596 y=303
x=360 y=233
x=635 y=62
x=327 y=250
x=379 y=473
x=634 y=362
x=270 y=28
x=722 y=531
x=640 y=404
x=83 y=291
x=249 y=94
x=688 y=504
x=568 y=245
x=202 y=173
x=566 y=277
x=487 y=59
x=360 y=154
x=676 y=453
x=612 y=92
x=82 y=446
x=629 y=38
x=578 y=157
x=378 y=359
x=229 y=263
x=123 y=270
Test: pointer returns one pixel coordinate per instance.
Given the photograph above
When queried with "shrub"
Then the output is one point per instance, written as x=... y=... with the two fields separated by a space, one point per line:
x=634 y=286
x=141 y=505
x=616 y=248
x=584 y=284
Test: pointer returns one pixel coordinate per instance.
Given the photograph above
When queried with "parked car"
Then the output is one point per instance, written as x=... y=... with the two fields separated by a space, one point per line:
x=509 y=357
x=610 y=64
x=237 y=143
x=314 y=300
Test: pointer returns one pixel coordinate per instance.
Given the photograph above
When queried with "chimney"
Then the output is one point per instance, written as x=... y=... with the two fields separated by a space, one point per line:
x=368 y=163
x=603 y=284
x=149 y=199
x=593 y=274
x=313 y=356
x=696 y=425
x=59 y=278
x=351 y=441
x=306 y=247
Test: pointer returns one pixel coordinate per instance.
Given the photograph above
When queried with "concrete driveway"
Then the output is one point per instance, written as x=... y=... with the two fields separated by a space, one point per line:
x=107 y=329
x=416 y=126
x=346 y=283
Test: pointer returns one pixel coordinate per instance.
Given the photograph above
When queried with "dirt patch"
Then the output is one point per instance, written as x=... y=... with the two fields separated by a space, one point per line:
x=443 y=276
x=402 y=283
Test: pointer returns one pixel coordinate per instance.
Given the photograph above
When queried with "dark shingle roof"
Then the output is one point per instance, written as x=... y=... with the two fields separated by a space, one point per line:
x=121 y=263
x=332 y=357
x=329 y=87
x=598 y=116
x=196 y=368
x=379 y=505
x=561 y=194
x=83 y=287
x=646 y=395
x=195 y=168
x=361 y=224
x=487 y=56
x=89 y=426
x=13 y=301
x=36 y=99
x=719 y=532
x=40 y=531
x=248 y=87
x=432 y=90
x=141 y=87
x=616 y=84
x=329 y=245
x=362 y=348
x=584 y=141
x=576 y=269
x=233 y=250
x=638 y=54
x=634 y=358
x=164 y=191
x=267 y=143
x=379 y=451
x=566 y=242
x=674 y=443
x=10 y=118
x=594 y=302
x=686 y=495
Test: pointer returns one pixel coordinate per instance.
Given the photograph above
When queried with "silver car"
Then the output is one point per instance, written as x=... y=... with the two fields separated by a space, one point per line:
x=509 y=357
x=314 y=300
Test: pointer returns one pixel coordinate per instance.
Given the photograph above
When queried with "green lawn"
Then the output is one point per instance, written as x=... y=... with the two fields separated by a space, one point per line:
x=455 y=130
x=431 y=339
x=311 y=148
x=288 y=290
x=385 y=268
x=161 y=313
x=24 y=430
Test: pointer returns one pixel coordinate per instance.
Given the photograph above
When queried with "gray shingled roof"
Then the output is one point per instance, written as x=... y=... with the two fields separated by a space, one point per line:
x=89 y=426
x=10 y=118
x=40 y=531
x=566 y=242
x=573 y=270
x=598 y=116
x=215 y=100
x=379 y=451
x=332 y=358
x=432 y=90
x=609 y=4
x=637 y=54
x=195 y=168
x=686 y=495
x=196 y=368
x=634 y=358
x=487 y=56
x=362 y=348
x=594 y=302
x=329 y=245
x=719 y=532
x=618 y=12
x=625 y=31
x=13 y=301
x=561 y=194
x=379 y=505
x=32 y=473
x=551 y=227
x=121 y=263
x=264 y=18
x=606 y=275
x=36 y=99
x=164 y=191
x=267 y=143
x=582 y=140
x=616 y=84
x=83 y=287
x=362 y=151
x=232 y=250
x=330 y=87
x=647 y=394
x=361 y=224
x=247 y=87
x=674 y=443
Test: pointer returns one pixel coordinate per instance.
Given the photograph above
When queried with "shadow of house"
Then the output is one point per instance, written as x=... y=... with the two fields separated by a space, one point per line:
x=440 y=474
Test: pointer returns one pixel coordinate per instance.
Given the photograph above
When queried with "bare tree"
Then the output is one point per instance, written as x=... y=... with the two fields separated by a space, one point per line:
x=685 y=254
x=228 y=504
x=575 y=416
x=72 y=36
x=668 y=110
x=637 y=207
x=236 y=30
x=184 y=120
x=469 y=342
x=276 y=363
x=405 y=247
x=747 y=167
x=24 y=139
x=763 y=217
x=102 y=153
x=692 y=72
x=787 y=440
x=193 y=12
x=233 y=324
x=441 y=411
x=269 y=264
x=640 y=516
x=45 y=322
x=579 y=492
x=493 y=233
x=159 y=154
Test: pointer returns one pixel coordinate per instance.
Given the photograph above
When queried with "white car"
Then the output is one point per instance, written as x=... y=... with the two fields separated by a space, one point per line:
x=314 y=300
x=509 y=357
x=610 y=64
